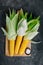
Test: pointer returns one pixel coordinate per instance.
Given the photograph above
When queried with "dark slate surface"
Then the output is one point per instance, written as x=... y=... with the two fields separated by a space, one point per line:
x=36 y=7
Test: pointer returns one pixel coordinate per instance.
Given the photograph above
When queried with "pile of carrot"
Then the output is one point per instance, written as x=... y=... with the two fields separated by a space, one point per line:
x=20 y=30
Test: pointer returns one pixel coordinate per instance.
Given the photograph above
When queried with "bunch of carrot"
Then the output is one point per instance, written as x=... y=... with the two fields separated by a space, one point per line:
x=20 y=31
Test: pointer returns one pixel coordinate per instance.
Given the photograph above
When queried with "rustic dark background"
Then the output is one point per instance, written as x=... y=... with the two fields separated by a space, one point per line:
x=34 y=6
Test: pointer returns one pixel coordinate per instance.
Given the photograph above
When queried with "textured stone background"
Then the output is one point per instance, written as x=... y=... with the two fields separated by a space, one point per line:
x=36 y=7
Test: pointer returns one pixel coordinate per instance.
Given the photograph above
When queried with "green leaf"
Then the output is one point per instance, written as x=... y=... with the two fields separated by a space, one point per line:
x=5 y=33
x=9 y=13
x=15 y=21
x=12 y=14
x=30 y=18
x=26 y=15
x=30 y=35
x=11 y=25
x=11 y=30
x=38 y=18
x=33 y=25
x=21 y=14
x=34 y=42
x=36 y=27
x=8 y=22
x=20 y=22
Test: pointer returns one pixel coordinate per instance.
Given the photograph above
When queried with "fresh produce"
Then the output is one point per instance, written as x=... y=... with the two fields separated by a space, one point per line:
x=32 y=31
x=11 y=25
x=20 y=30
x=22 y=27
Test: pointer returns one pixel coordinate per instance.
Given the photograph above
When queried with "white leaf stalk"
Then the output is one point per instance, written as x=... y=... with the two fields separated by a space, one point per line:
x=34 y=42
x=11 y=25
x=31 y=35
x=22 y=27
x=32 y=31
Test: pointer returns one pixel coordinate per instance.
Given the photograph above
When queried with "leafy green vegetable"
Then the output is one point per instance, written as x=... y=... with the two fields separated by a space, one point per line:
x=11 y=25
x=22 y=15
x=33 y=26
x=19 y=23
x=30 y=35
x=26 y=15
x=15 y=21
x=22 y=25
x=12 y=14
x=30 y=17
